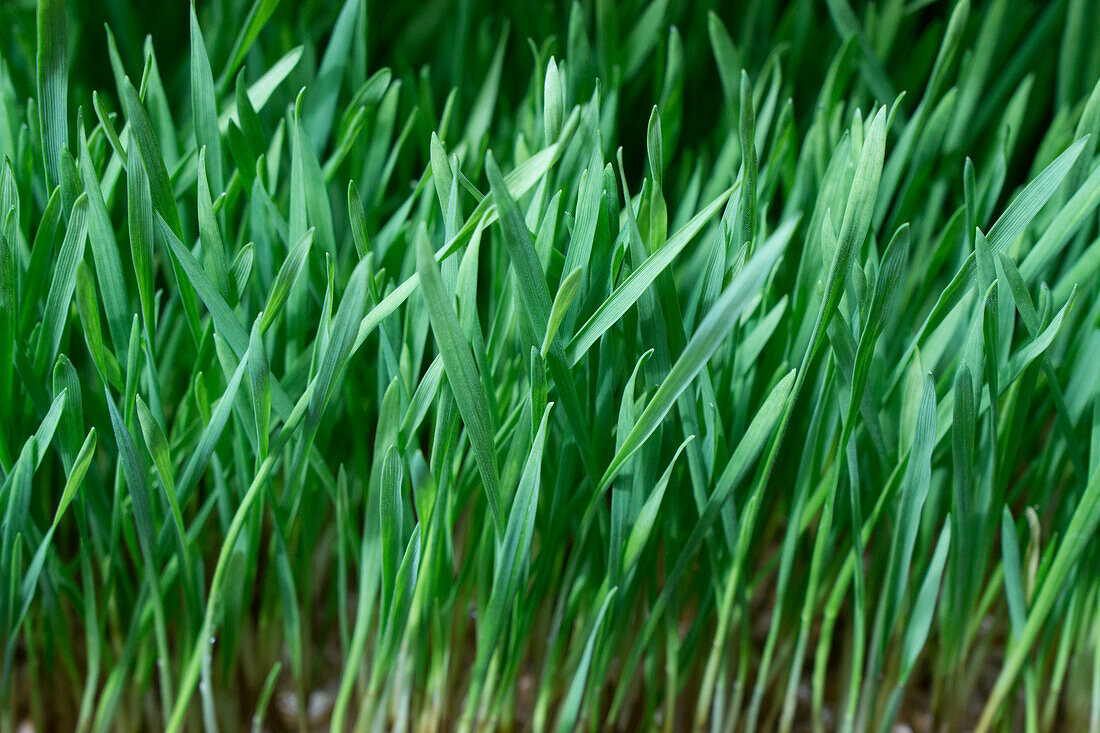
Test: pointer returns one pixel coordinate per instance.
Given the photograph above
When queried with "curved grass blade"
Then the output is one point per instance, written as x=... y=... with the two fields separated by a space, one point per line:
x=704 y=342
x=463 y=377
x=204 y=108
x=52 y=77
x=647 y=517
x=62 y=286
x=160 y=185
x=567 y=292
x=567 y=719
x=628 y=293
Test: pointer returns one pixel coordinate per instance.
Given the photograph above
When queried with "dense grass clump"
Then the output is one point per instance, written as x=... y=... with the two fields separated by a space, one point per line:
x=617 y=365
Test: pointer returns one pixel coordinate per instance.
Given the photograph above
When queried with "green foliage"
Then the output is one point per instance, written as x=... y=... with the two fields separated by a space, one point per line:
x=643 y=364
